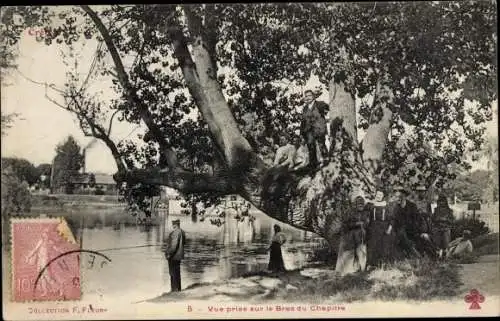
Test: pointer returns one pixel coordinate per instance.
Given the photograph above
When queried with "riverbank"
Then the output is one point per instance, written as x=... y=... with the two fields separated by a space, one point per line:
x=410 y=280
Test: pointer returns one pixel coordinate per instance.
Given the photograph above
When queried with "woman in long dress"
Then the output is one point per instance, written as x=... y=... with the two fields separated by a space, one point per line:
x=380 y=234
x=441 y=221
x=352 y=248
x=276 y=263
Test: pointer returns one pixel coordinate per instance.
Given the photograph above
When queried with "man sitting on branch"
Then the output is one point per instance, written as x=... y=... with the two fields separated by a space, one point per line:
x=285 y=155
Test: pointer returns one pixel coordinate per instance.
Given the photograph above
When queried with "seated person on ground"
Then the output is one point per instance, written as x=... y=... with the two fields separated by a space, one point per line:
x=460 y=246
x=285 y=154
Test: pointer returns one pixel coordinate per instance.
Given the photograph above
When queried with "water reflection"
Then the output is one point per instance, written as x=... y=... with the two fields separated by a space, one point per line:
x=139 y=269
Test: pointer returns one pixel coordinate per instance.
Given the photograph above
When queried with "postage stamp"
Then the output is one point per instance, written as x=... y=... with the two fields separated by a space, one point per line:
x=45 y=264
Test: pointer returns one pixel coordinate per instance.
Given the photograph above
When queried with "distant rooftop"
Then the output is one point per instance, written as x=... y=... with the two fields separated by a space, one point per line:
x=102 y=179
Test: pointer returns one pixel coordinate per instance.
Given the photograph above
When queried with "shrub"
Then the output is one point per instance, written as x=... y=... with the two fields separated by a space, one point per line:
x=16 y=200
x=476 y=227
x=486 y=244
x=432 y=280
x=324 y=255
x=99 y=191
x=16 y=197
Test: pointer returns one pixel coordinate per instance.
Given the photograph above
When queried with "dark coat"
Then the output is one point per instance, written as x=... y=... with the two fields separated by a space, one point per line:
x=354 y=234
x=410 y=220
x=175 y=245
x=313 y=119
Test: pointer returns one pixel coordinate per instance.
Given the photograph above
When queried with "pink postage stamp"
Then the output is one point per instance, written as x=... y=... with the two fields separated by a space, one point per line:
x=45 y=261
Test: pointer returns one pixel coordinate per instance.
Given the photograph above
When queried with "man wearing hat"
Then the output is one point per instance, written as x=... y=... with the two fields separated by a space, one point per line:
x=175 y=253
x=313 y=127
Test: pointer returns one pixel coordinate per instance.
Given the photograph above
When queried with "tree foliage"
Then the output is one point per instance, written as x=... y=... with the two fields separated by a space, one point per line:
x=472 y=185
x=7 y=122
x=46 y=171
x=23 y=169
x=216 y=86
x=68 y=161
x=16 y=198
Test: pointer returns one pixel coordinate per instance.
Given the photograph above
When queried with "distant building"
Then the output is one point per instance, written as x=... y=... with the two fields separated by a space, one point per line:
x=94 y=183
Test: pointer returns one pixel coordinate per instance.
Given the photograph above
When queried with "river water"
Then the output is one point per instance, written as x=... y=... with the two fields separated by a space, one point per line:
x=138 y=269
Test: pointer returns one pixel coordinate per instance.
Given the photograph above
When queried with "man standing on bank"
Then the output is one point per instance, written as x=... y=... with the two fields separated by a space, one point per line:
x=174 y=254
x=314 y=127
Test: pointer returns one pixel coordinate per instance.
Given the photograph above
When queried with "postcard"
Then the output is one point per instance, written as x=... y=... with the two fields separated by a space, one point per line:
x=250 y=161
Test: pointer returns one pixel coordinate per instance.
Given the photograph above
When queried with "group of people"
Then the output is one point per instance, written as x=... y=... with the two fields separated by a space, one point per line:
x=378 y=232
x=374 y=233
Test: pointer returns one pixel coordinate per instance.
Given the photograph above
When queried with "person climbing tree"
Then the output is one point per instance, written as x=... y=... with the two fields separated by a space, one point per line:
x=313 y=128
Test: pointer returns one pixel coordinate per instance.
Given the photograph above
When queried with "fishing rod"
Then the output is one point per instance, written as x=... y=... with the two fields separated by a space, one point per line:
x=128 y=247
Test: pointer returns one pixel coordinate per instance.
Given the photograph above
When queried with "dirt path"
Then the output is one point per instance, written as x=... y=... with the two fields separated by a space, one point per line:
x=483 y=275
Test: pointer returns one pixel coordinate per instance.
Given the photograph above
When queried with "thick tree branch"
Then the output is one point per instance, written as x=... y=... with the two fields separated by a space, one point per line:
x=129 y=89
x=185 y=182
x=207 y=93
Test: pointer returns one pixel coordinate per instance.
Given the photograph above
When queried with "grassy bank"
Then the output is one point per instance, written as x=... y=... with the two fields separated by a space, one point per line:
x=409 y=280
x=486 y=244
x=417 y=280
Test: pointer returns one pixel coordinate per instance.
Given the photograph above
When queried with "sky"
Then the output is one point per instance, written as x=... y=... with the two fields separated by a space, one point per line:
x=42 y=124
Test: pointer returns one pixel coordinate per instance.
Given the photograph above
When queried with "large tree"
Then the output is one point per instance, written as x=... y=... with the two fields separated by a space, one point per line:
x=416 y=78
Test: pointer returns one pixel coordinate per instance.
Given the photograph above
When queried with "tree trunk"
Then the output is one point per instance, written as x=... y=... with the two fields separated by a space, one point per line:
x=200 y=75
x=377 y=133
x=342 y=106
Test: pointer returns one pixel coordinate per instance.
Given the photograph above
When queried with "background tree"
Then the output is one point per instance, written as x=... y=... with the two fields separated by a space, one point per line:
x=490 y=152
x=68 y=161
x=7 y=121
x=471 y=186
x=426 y=71
x=16 y=199
x=45 y=170
x=8 y=55
x=24 y=170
